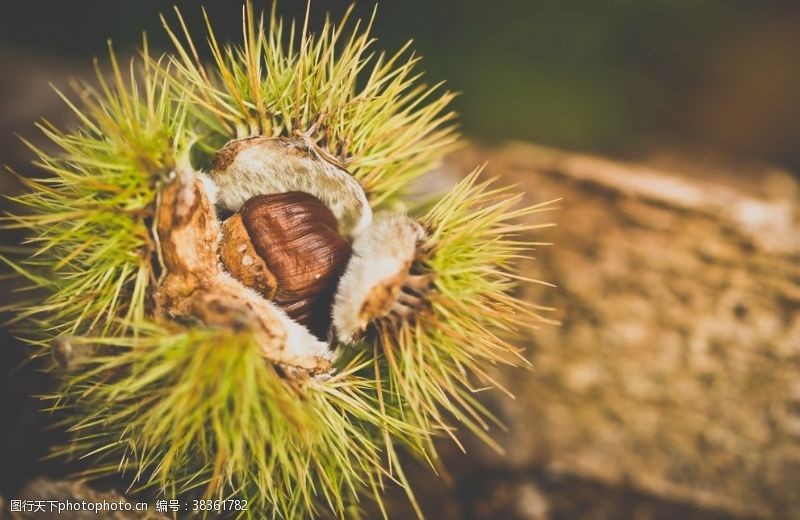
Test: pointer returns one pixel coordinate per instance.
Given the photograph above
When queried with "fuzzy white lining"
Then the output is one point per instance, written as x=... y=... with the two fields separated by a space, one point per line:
x=385 y=248
x=211 y=187
x=278 y=166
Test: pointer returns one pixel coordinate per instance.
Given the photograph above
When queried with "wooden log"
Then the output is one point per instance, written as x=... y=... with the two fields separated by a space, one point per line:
x=676 y=370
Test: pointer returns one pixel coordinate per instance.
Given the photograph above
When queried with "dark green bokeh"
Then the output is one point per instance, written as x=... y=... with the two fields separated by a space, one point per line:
x=613 y=76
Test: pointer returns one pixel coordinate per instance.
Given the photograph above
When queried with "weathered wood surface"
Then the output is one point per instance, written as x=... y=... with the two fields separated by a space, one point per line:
x=676 y=370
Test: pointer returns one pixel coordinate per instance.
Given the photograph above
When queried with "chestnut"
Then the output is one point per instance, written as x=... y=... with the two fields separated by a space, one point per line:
x=288 y=248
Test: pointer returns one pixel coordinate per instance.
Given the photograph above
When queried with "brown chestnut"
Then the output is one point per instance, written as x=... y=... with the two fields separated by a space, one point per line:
x=287 y=247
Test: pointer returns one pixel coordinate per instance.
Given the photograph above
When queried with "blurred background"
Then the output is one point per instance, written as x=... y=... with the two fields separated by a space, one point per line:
x=709 y=82
x=620 y=76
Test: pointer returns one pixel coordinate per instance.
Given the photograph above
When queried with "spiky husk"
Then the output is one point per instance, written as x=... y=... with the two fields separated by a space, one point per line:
x=368 y=113
x=189 y=412
x=196 y=411
x=476 y=233
x=88 y=239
